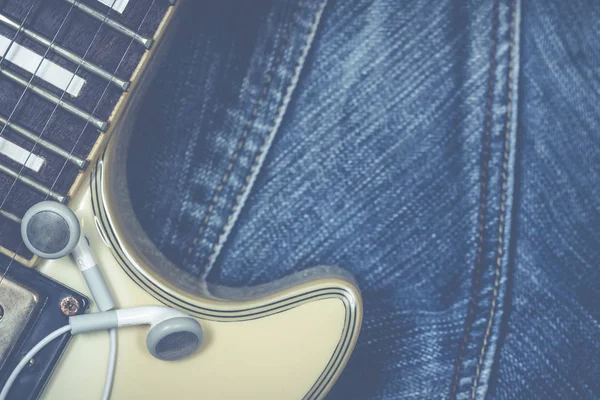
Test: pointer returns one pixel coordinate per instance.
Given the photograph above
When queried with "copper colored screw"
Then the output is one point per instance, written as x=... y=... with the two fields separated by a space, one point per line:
x=69 y=306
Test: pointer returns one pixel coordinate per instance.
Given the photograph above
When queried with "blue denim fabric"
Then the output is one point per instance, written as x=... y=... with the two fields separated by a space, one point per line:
x=550 y=347
x=446 y=153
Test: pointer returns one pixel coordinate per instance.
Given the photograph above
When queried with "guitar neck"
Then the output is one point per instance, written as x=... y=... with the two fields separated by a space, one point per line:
x=67 y=70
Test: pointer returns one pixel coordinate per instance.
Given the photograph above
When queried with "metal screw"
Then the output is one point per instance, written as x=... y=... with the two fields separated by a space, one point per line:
x=69 y=306
x=31 y=363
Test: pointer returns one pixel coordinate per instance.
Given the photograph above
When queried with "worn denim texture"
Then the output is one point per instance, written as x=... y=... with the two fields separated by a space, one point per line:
x=446 y=153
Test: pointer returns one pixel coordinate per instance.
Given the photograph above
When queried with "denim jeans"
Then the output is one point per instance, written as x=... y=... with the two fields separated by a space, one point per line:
x=446 y=153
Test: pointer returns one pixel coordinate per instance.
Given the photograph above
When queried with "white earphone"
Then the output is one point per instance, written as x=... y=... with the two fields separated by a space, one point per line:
x=51 y=230
x=173 y=335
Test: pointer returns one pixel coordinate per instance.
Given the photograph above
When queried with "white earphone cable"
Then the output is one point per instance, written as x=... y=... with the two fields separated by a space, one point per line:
x=41 y=344
x=110 y=373
x=112 y=361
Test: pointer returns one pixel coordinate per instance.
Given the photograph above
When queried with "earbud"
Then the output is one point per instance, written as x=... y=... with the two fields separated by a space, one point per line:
x=173 y=335
x=51 y=230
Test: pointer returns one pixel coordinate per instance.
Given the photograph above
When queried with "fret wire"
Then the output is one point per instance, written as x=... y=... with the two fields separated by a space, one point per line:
x=146 y=42
x=32 y=183
x=58 y=102
x=98 y=123
x=82 y=131
x=19 y=29
x=7 y=214
x=123 y=84
x=10 y=216
x=41 y=133
x=79 y=162
x=105 y=87
x=29 y=83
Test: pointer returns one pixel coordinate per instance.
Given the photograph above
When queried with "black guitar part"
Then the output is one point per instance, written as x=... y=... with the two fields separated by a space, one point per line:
x=47 y=318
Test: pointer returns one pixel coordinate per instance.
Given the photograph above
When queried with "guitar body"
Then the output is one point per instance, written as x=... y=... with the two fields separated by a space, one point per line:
x=289 y=339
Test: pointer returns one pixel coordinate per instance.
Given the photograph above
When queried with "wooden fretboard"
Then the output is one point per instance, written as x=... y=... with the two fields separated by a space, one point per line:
x=64 y=67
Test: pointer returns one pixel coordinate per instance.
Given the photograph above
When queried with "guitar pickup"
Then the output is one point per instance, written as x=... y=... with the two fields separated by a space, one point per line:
x=32 y=306
x=18 y=306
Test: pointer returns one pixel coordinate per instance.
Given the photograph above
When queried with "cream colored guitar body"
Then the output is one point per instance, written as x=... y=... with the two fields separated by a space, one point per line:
x=286 y=344
x=289 y=339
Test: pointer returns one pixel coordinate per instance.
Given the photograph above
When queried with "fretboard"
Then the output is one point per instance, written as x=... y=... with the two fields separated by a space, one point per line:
x=64 y=67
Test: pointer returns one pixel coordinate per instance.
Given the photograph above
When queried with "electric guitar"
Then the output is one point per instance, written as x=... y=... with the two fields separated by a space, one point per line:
x=72 y=73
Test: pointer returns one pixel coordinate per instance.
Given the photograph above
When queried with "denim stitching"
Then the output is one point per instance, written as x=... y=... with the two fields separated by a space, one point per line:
x=263 y=148
x=245 y=133
x=502 y=203
x=483 y=198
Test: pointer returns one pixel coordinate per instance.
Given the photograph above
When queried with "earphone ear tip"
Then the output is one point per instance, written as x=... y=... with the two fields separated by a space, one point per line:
x=174 y=338
x=50 y=229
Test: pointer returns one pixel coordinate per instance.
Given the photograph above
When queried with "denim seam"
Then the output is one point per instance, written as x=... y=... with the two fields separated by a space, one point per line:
x=503 y=199
x=242 y=141
x=485 y=160
x=259 y=159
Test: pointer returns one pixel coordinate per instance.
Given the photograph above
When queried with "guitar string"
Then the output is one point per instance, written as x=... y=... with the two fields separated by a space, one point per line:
x=47 y=121
x=131 y=42
x=12 y=260
x=46 y=125
x=22 y=96
x=31 y=80
x=102 y=95
x=14 y=38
